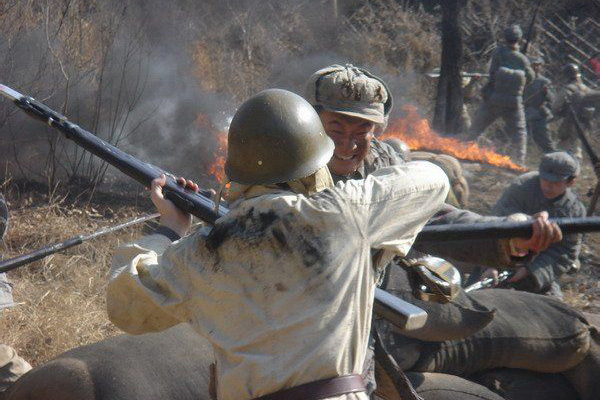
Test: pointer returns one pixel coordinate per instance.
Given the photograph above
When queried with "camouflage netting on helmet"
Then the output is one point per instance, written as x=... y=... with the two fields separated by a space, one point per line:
x=351 y=91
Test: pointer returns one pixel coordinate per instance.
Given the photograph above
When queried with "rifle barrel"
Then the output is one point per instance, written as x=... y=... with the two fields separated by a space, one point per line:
x=24 y=259
x=502 y=230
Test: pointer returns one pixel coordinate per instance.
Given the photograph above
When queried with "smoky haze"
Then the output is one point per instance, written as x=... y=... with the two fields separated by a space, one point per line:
x=158 y=79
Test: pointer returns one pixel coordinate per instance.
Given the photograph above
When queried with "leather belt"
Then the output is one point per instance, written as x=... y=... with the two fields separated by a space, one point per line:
x=320 y=389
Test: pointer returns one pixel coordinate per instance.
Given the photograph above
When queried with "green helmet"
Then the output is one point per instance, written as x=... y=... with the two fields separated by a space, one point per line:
x=276 y=136
x=571 y=71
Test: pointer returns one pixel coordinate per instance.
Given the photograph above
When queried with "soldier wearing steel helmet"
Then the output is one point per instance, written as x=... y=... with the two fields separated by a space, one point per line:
x=538 y=98
x=510 y=71
x=282 y=285
x=583 y=100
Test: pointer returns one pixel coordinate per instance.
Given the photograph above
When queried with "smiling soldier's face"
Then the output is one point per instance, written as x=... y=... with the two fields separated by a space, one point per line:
x=352 y=137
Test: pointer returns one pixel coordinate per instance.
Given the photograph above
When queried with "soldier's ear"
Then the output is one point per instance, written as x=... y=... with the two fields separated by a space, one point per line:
x=571 y=181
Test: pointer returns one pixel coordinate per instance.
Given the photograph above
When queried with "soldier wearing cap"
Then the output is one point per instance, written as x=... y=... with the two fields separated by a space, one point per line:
x=510 y=71
x=11 y=365
x=283 y=285
x=584 y=101
x=538 y=98
x=353 y=105
x=547 y=189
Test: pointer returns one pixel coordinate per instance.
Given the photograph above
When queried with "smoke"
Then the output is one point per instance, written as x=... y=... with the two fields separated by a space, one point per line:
x=161 y=79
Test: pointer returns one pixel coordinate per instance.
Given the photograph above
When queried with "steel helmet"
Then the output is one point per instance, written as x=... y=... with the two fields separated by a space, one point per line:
x=276 y=136
x=571 y=70
x=513 y=33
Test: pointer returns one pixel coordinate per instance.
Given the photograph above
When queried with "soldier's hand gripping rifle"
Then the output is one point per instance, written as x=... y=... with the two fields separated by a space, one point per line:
x=489 y=282
x=399 y=312
x=403 y=314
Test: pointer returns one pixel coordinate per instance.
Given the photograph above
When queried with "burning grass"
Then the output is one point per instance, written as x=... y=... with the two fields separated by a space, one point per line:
x=415 y=131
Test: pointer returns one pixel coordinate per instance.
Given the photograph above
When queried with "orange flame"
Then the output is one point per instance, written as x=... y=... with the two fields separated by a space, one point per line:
x=418 y=135
x=216 y=168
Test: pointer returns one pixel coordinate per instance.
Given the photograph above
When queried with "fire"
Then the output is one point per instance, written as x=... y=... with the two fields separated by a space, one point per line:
x=418 y=135
x=216 y=168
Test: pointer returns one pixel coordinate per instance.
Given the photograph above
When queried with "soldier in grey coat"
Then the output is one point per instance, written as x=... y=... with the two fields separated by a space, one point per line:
x=549 y=189
x=584 y=101
x=11 y=365
x=538 y=98
x=510 y=71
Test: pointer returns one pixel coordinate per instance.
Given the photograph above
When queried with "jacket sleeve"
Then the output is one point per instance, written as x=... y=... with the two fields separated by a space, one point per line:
x=487 y=252
x=558 y=259
x=147 y=283
x=391 y=206
x=510 y=202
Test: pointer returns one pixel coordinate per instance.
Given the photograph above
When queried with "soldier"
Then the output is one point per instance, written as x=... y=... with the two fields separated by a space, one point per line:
x=538 y=98
x=469 y=90
x=353 y=105
x=11 y=365
x=583 y=100
x=269 y=285
x=547 y=189
x=510 y=71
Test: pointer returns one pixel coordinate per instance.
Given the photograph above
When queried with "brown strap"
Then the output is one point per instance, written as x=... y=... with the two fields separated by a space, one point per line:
x=321 y=389
x=382 y=357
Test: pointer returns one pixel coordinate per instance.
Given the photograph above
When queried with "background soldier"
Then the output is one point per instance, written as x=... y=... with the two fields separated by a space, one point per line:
x=584 y=101
x=11 y=365
x=510 y=71
x=469 y=90
x=538 y=98
x=549 y=189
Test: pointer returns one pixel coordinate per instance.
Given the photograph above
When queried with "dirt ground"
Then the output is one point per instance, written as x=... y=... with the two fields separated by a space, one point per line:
x=61 y=298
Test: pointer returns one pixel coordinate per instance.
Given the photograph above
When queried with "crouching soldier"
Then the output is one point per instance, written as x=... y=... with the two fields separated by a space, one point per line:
x=11 y=365
x=283 y=285
x=547 y=189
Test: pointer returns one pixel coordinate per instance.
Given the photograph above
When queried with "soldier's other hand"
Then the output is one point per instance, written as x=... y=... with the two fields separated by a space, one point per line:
x=170 y=216
x=520 y=274
x=544 y=234
x=490 y=273
x=188 y=184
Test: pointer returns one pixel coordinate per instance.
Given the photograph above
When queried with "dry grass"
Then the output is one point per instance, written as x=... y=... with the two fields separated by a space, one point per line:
x=61 y=299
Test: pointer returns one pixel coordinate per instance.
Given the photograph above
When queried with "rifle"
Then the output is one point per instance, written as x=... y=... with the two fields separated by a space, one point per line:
x=591 y=153
x=398 y=312
x=462 y=74
x=489 y=282
x=16 y=262
x=530 y=28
